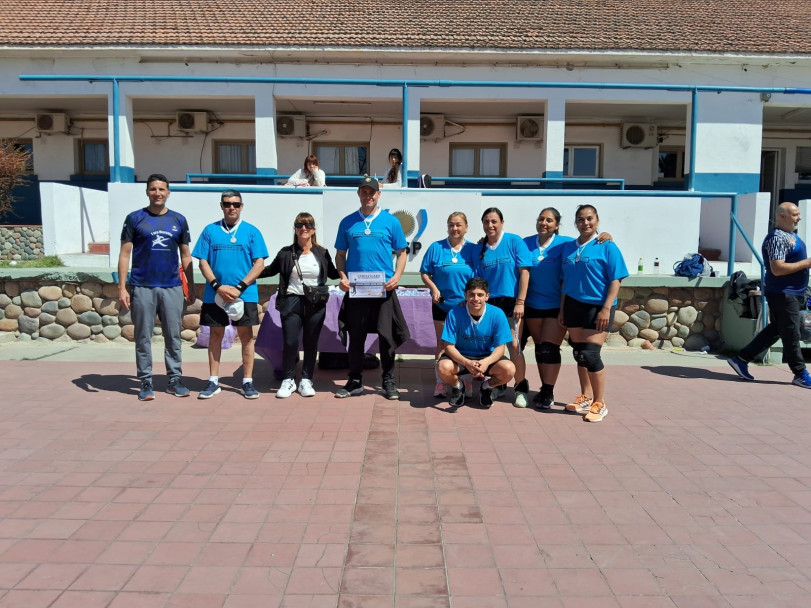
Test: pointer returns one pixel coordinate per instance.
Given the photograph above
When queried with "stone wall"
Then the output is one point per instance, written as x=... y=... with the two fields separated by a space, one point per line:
x=664 y=317
x=20 y=243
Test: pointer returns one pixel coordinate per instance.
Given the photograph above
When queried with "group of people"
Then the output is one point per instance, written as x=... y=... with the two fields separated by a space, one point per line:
x=311 y=174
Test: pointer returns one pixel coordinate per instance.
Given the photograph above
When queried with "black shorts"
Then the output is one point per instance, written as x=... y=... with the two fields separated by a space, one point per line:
x=464 y=371
x=437 y=313
x=214 y=316
x=505 y=303
x=581 y=315
x=541 y=313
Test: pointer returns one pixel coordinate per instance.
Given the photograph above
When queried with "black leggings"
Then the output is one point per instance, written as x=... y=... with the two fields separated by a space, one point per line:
x=297 y=314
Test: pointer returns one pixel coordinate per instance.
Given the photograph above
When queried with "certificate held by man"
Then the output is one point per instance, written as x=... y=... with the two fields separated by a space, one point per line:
x=367 y=284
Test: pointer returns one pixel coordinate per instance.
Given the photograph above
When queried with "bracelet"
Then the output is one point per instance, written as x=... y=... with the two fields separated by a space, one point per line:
x=215 y=284
x=521 y=302
x=242 y=286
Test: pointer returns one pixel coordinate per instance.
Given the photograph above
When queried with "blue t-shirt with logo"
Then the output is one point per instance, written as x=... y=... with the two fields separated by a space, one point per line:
x=788 y=246
x=477 y=339
x=588 y=270
x=449 y=277
x=370 y=252
x=499 y=265
x=231 y=262
x=155 y=241
x=546 y=274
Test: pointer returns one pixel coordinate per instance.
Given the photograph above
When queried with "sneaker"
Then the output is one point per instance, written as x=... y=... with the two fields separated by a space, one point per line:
x=287 y=388
x=468 y=388
x=543 y=401
x=440 y=390
x=521 y=390
x=498 y=391
x=177 y=389
x=305 y=388
x=596 y=413
x=248 y=391
x=146 y=393
x=457 y=397
x=486 y=397
x=209 y=391
x=741 y=368
x=803 y=379
x=580 y=405
x=351 y=388
x=390 y=390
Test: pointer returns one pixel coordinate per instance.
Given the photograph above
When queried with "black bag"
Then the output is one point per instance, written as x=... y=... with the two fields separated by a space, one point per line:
x=317 y=295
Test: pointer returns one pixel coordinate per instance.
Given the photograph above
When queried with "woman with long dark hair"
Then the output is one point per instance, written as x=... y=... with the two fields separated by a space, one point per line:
x=393 y=178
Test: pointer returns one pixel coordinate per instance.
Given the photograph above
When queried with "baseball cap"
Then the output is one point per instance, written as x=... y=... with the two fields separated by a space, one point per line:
x=371 y=182
x=234 y=309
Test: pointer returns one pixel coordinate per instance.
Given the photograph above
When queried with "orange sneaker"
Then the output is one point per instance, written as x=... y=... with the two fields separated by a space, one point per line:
x=580 y=405
x=597 y=412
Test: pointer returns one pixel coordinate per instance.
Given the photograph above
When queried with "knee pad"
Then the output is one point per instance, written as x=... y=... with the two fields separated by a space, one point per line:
x=577 y=348
x=550 y=353
x=590 y=355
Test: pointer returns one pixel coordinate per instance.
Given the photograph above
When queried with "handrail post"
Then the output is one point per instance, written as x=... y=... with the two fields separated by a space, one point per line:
x=733 y=233
x=116 y=176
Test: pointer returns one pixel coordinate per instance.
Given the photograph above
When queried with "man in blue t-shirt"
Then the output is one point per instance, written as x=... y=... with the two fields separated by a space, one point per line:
x=232 y=253
x=366 y=240
x=787 y=265
x=153 y=236
x=474 y=338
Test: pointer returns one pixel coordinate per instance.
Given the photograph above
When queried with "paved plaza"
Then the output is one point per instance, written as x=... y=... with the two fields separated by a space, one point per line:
x=694 y=491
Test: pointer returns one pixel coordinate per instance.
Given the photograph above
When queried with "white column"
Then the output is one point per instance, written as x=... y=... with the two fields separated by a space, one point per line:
x=126 y=137
x=554 y=136
x=267 y=161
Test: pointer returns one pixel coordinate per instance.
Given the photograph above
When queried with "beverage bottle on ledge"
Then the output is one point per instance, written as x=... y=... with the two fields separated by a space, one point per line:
x=640 y=267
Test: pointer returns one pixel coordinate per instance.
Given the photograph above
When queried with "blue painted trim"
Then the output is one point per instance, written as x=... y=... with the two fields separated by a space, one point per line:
x=692 y=142
x=558 y=175
x=740 y=183
x=116 y=168
x=266 y=171
x=126 y=175
x=404 y=164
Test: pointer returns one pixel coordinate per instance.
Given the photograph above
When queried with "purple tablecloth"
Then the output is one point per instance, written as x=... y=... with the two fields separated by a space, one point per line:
x=416 y=309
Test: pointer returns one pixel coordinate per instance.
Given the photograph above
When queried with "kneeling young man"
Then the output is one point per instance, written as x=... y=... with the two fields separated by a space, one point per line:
x=474 y=338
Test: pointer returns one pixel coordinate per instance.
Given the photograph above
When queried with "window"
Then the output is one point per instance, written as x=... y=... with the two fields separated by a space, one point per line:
x=235 y=157
x=581 y=161
x=93 y=159
x=478 y=160
x=671 y=164
x=803 y=163
x=28 y=146
x=343 y=159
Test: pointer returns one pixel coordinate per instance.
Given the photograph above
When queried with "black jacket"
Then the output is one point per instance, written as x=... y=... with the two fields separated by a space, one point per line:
x=283 y=265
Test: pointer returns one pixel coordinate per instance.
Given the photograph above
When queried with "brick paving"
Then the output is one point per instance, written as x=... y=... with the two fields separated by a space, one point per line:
x=694 y=492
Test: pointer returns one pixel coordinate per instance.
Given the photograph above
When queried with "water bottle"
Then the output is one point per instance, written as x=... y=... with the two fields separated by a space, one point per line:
x=640 y=266
x=656 y=266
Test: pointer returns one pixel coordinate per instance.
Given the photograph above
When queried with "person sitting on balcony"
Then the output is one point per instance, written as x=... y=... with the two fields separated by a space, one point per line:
x=309 y=175
x=394 y=178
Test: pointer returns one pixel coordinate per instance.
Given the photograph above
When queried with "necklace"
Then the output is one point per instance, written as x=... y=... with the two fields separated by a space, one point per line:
x=368 y=220
x=231 y=231
x=543 y=248
x=455 y=252
x=582 y=247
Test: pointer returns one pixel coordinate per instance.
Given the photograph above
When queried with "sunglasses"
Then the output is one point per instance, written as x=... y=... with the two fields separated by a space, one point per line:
x=304 y=225
x=234 y=205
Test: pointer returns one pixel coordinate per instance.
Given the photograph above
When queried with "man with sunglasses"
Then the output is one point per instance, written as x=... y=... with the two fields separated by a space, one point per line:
x=232 y=253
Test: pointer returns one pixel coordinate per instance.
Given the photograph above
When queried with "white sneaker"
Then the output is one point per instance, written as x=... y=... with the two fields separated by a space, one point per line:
x=305 y=388
x=286 y=389
x=520 y=399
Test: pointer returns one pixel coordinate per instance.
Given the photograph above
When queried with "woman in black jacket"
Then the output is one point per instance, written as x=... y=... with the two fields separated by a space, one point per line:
x=304 y=262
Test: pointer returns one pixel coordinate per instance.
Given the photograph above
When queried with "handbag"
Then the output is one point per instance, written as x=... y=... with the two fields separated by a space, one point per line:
x=316 y=295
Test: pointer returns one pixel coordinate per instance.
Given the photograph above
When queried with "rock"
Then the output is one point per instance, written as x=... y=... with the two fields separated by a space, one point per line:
x=711 y=335
x=81 y=303
x=671 y=318
x=643 y=292
x=121 y=340
x=701 y=304
x=109 y=320
x=24 y=337
x=28 y=325
x=687 y=315
x=712 y=307
x=50 y=307
x=66 y=317
x=656 y=304
x=656 y=324
x=50 y=293
x=641 y=319
x=620 y=319
x=680 y=297
x=128 y=332
x=666 y=333
x=96 y=329
x=663 y=345
x=31 y=298
x=107 y=306
x=31 y=311
x=191 y=321
x=8 y=324
x=17 y=301
x=157 y=331
x=13 y=311
x=631 y=308
x=636 y=342
x=111 y=332
x=189 y=335
x=110 y=290
x=46 y=319
x=2 y=314
x=100 y=339
x=625 y=293
x=677 y=342
x=12 y=289
x=51 y=332
x=708 y=321
x=649 y=334
x=125 y=317
x=69 y=289
x=64 y=302
x=703 y=293
x=91 y=289
x=695 y=342
x=682 y=330
x=697 y=327
x=78 y=331
x=646 y=345
x=4 y=300
x=615 y=340
x=194 y=309
x=90 y=317
x=629 y=331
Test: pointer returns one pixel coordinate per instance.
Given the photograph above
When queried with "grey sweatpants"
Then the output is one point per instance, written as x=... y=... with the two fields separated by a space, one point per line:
x=167 y=303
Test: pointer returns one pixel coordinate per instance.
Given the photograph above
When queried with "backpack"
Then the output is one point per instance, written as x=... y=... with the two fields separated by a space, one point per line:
x=693 y=265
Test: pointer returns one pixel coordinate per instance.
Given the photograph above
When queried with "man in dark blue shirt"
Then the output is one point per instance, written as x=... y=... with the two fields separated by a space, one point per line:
x=787 y=265
x=153 y=236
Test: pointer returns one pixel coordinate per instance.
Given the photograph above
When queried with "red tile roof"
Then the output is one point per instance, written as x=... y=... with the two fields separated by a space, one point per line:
x=715 y=26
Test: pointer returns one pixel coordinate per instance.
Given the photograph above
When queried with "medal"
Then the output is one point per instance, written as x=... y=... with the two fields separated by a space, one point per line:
x=454 y=259
x=233 y=239
x=540 y=258
x=454 y=252
x=368 y=220
x=367 y=231
x=232 y=232
x=542 y=249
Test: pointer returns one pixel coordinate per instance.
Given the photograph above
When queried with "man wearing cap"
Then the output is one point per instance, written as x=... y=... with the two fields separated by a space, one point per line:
x=366 y=240
x=231 y=254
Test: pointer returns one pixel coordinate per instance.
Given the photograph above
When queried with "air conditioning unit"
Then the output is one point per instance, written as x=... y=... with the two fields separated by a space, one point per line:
x=638 y=135
x=432 y=125
x=195 y=122
x=291 y=125
x=52 y=122
x=529 y=128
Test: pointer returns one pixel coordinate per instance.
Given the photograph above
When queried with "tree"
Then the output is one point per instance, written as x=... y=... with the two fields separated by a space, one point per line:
x=15 y=162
